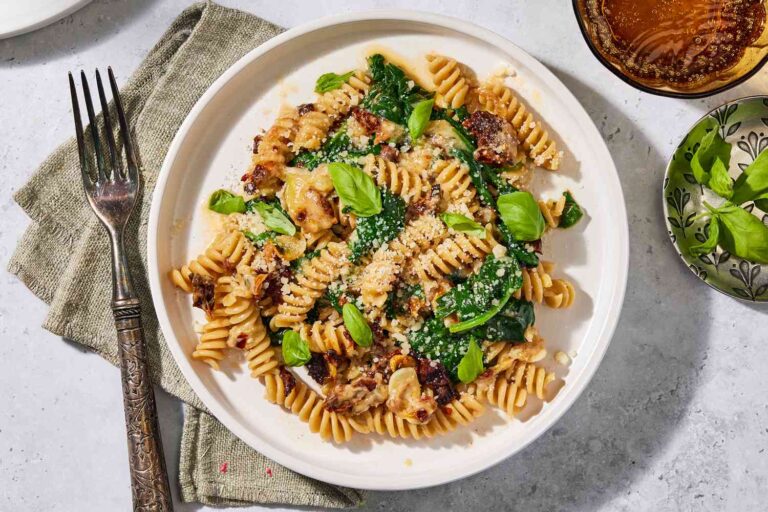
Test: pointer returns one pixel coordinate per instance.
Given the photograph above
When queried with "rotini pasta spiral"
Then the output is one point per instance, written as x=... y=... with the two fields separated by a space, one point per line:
x=560 y=295
x=404 y=181
x=381 y=420
x=338 y=102
x=273 y=153
x=223 y=255
x=323 y=336
x=510 y=389
x=309 y=407
x=312 y=129
x=452 y=86
x=454 y=253
x=310 y=283
x=498 y=99
x=535 y=283
x=377 y=278
x=552 y=209
x=212 y=344
x=455 y=183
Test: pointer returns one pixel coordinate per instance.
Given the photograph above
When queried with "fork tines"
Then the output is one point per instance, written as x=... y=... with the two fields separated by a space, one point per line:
x=115 y=170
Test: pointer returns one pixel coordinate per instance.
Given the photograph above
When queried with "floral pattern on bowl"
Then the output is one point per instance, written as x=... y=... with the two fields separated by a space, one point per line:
x=744 y=124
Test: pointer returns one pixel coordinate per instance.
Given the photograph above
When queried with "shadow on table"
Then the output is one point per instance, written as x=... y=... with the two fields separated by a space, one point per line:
x=93 y=23
x=640 y=393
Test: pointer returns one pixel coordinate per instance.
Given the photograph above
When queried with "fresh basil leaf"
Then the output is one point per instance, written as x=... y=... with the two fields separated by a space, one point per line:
x=520 y=213
x=419 y=118
x=261 y=238
x=753 y=182
x=356 y=189
x=295 y=350
x=371 y=232
x=471 y=364
x=274 y=217
x=762 y=202
x=463 y=224
x=331 y=81
x=720 y=181
x=224 y=201
x=356 y=325
x=742 y=234
x=710 y=244
x=712 y=146
x=572 y=212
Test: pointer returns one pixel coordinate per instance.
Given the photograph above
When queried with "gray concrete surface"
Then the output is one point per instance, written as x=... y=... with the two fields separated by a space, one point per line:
x=675 y=418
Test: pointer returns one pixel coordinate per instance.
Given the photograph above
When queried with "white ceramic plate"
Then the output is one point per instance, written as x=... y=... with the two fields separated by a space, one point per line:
x=20 y=16
x=212 y=149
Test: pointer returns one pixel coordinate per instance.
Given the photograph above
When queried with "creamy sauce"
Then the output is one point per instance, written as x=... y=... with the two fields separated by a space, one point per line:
x=682 y=43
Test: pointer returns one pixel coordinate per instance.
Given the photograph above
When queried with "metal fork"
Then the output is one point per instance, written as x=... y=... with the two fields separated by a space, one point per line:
x=111 y=190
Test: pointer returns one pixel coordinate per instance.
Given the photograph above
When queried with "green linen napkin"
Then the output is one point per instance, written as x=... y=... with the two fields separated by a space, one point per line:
x=63 y=256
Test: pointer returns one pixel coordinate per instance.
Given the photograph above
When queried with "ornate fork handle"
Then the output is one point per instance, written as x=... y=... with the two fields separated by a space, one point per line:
x=149 y=480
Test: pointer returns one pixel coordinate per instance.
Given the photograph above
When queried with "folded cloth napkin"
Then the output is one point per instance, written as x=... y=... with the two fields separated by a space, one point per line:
x=63 y=256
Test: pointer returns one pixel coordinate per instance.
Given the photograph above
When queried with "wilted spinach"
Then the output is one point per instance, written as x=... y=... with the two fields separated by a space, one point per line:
x=338 y=148
x=392 y=94
x=371 y=232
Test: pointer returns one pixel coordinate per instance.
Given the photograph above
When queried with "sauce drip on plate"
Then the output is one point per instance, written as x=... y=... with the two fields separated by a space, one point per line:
x=681 y=43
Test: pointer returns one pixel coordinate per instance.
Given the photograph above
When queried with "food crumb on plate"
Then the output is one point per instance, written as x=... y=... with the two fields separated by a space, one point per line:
x=408 y=463
x=562 y=358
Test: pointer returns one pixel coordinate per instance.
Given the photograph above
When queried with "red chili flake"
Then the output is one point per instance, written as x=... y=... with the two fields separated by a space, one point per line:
x=269 y=472
x=244 y=177
x=242 y=338
x=223 y=467
x=447 y=411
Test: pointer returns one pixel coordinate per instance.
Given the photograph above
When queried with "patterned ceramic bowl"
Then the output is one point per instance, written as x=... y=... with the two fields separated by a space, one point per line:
x=744 y=124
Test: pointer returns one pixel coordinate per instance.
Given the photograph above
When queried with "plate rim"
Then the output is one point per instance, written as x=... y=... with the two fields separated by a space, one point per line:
x=40 y=22
x=665 y=206
x=605 y=331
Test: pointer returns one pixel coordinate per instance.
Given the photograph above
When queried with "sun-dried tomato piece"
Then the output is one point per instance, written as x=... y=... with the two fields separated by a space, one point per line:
x=432 y=374
x=368 y=121
x=202 y=293
x=317 y=368
x=289 y=381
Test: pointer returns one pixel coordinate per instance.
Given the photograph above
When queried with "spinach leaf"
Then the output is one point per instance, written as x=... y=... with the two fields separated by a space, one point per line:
x=356 y=189
x=435 y=342
x=710 y=243
x=454 y=118
x=273 y=215
x=338 y=148
x=331 y=81
x=463 y=224
x=223 y=201
x=419 y=118
x=521 y=214
x=372 y=232
x=261 y=238
x=720 y=181
x=509 y=325
x=391 y=95
x=496 y=279
x=712 y=147
x=753 y=182
x=398 y=299
x=471 y=365
x=572 y=212
x=356 y=325
x=295 y=349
